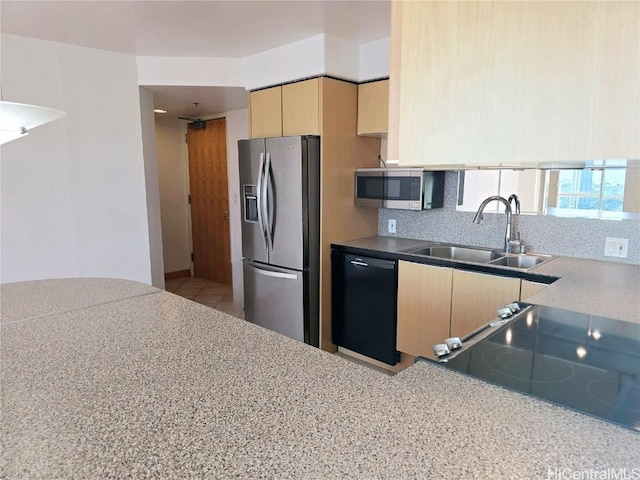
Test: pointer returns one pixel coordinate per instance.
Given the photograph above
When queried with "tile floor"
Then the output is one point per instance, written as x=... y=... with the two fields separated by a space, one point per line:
x=208 y=293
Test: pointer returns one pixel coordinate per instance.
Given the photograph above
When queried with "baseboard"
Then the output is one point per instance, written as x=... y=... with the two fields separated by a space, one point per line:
x=405 y=361
x=178 y=274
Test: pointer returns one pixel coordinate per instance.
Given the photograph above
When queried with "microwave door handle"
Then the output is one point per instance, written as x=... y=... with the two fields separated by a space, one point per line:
x=260 y=200
x=265 y=202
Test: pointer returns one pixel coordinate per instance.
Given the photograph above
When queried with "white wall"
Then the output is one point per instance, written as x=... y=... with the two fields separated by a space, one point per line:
x=152 y=190
x=73 y=192
x=341 y=58
x=191 y=71
x=317 y=55
x=374 y=59
x=289 y=62
x=237 y=128
x=173 y=165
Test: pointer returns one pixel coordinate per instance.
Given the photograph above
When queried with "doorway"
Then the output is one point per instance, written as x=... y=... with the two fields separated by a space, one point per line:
x=209 y=198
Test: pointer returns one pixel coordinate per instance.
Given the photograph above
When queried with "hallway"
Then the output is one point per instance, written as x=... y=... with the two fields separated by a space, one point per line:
x=207 y=293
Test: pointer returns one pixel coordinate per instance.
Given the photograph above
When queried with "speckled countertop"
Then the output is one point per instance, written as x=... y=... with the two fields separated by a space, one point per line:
x=156 y=386
x=28 y=300
x=594 y=287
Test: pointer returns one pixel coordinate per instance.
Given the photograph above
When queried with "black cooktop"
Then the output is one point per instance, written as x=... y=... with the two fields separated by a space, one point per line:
x=584 y=362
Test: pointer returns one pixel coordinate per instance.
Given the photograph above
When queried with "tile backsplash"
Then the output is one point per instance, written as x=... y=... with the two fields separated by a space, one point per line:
x=571 y=237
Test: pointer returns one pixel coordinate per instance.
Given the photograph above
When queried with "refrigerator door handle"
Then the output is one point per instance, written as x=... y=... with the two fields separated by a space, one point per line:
x=260 y=199
x=269 y=273
x=265 y=202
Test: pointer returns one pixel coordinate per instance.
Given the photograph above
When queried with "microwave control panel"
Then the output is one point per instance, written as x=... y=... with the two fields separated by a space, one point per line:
x=416 y=189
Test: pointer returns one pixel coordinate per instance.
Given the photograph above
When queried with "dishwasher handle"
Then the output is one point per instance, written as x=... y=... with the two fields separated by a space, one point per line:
x=359 y=264
x=372 y=262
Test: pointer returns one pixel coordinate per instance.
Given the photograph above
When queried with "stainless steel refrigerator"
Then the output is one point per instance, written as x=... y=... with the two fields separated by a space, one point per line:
x=280 y=188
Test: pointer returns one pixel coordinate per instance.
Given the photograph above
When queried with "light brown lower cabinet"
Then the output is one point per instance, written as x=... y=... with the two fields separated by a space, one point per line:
x=476 y=297
x=424 y=307
x=529 y=288
x=439 y=302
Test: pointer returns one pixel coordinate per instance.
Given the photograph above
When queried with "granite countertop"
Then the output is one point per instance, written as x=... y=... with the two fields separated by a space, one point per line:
x=156 y=386
x=29 y=300
x=595 y=287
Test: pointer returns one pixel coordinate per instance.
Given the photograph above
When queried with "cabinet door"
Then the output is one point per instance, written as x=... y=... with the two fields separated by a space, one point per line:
x=373 y=108
x=266 y=112
x=476 y=297
x=300 y=108
x=424 y=307
x=474 y=89
x=529 y=288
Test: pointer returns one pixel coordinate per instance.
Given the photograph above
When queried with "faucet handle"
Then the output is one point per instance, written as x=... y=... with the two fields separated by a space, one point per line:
x=514 y=246
x=521 y=246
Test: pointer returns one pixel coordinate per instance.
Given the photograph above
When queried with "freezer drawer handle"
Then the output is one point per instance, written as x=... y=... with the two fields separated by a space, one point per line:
x=268 y=273
x=362 y=264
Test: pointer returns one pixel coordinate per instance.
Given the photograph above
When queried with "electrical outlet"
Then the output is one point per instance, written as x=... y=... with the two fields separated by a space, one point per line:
x=616 y=247
x=392 y=225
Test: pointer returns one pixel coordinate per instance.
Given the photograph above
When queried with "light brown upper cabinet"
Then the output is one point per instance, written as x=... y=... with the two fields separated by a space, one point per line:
x=514 y=83
x=476 y=297
x=291 y=109
x=373 y=108
x=266 y=112
x=300 y=108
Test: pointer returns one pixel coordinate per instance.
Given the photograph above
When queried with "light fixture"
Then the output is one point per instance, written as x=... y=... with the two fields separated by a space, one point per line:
x=16 y=119
x=159 y=110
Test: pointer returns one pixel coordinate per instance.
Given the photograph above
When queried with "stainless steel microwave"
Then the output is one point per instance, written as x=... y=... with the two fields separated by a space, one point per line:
x=402 y=188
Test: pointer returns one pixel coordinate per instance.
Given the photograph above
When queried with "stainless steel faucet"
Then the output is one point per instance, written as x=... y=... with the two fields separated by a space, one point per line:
x=516 y=202
x=507 y=205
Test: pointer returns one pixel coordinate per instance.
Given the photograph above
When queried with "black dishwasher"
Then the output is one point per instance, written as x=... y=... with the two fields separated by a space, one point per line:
x=364 y=291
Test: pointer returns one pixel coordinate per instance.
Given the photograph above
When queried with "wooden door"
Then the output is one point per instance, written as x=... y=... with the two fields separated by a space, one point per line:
x=210 y=202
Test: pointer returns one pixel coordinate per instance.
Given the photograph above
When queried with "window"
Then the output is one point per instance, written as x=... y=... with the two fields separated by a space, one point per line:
x=591 y=189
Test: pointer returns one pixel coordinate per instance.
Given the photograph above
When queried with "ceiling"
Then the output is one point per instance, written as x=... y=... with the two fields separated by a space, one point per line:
x=180 y=101
x=195 y=29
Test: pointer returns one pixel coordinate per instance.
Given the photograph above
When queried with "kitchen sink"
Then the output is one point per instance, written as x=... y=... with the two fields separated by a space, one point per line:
x=521 y=261
x=465 y=254
x=481 y=255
